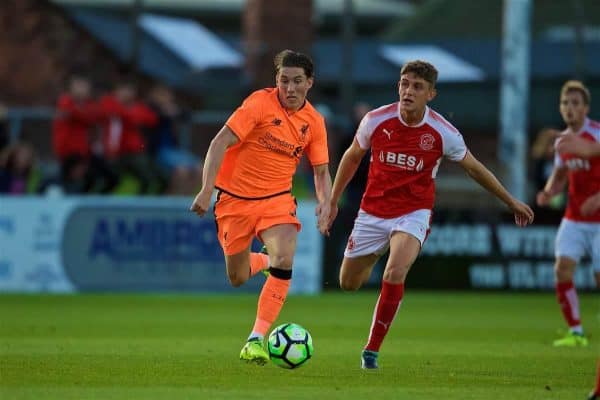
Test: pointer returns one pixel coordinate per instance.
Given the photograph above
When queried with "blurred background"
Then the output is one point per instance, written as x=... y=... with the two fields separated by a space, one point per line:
x=86 y=84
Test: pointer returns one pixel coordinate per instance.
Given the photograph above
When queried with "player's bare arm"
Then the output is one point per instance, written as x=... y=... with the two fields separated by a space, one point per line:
x=572 y=144
x=591 y=205
x=556 y=184
x=214 y=157
x=480 y=174
x=323 y=192
x=347 y=168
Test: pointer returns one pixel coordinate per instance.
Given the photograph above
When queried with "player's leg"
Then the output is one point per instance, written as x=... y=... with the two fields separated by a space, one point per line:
x=570 y=247
x=280 y=240
x=367 y=242
x=235 y=230
x=278 y=229
x=407 y=236
x=567 y=298
x=596 y=255
x=244 y=265
x=596 y=392
x=404 y=249
x=355 y=271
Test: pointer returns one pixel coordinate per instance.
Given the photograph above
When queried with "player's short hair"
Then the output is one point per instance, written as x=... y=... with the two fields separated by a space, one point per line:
x=290 y=58
x=422 y=69
x=576 y=86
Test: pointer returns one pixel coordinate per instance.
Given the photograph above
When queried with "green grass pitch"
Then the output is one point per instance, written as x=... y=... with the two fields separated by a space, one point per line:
x=443 y=345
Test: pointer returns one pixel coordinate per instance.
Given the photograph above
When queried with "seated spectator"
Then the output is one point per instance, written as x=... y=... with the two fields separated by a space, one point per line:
x=82 y=169
x=183 y=167
x=123 y=117
x=17 y=175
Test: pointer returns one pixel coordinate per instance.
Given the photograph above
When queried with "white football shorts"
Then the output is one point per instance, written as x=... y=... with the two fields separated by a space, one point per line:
x=371 y=235
x=576 y=239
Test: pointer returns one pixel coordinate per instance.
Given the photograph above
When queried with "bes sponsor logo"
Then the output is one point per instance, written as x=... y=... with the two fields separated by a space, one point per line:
x=401 y=160
x=578 y=164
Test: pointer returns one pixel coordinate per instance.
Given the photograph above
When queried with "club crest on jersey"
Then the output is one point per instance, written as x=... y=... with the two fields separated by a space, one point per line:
x=427 y=141
x=303 y=131
x=350 y=245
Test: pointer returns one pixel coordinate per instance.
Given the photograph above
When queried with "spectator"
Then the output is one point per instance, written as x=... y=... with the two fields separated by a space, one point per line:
x=123 y=117
x=183 y=167
x=357 y=185
x=82 y=169
x=17 y=169
x=3 y=127
x=542 y=154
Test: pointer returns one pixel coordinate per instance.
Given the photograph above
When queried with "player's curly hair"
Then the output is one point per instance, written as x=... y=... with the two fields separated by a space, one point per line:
x=290 y=58
x=422 y=69
x=577 y=86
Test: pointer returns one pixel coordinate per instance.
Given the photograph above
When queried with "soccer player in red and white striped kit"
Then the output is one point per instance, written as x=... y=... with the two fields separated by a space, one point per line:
x=579 y=231
x=408 y=141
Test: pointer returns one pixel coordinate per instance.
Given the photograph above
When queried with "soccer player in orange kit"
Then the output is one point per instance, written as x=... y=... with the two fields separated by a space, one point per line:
x=251 y=162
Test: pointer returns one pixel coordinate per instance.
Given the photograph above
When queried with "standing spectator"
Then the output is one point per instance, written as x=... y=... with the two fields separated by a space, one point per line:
x=123 y=117
x=17 y=169
x=183 y=168
x=357 y=185
x=3 y=127
x=82 y=170
x=542 y=155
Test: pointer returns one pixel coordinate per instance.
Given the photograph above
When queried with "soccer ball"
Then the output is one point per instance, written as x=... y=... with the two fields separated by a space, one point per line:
x=290 y=346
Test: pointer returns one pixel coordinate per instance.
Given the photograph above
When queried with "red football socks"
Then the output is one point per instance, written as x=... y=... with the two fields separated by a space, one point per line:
x=385 y=310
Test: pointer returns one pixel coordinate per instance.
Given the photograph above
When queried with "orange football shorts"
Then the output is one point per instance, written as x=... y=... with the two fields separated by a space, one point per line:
x=240 y=220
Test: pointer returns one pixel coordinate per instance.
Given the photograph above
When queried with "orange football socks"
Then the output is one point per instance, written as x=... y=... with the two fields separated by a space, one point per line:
x=271 y=300
x=258 y=262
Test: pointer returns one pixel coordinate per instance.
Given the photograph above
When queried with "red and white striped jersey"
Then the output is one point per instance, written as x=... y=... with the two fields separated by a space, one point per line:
x=584 y=175
x=405 y=159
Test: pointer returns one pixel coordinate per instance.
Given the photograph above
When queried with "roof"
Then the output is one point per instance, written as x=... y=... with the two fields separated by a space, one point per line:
x=483 y=19
x=366 y=8
x=167 y=54
x=173 y=50
x=549 y=60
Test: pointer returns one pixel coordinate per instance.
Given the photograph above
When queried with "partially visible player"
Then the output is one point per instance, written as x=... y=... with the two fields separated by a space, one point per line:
x=595 y=395
x=408 y=141
x=579 y=146
x=251 y=162
x=579 y=231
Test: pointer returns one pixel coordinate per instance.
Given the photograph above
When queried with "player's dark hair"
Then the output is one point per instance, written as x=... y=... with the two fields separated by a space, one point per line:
x=577 y=86
x=422 y=69
x=290 y=58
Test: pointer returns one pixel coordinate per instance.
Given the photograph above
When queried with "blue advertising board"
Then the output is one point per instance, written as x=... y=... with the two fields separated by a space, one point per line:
x=127 y=244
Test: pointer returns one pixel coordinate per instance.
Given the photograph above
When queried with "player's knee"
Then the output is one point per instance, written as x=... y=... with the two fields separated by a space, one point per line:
x=562 y=273
x=236 y=280
x=395 y=274
x=281 y=262
x=349 y=285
